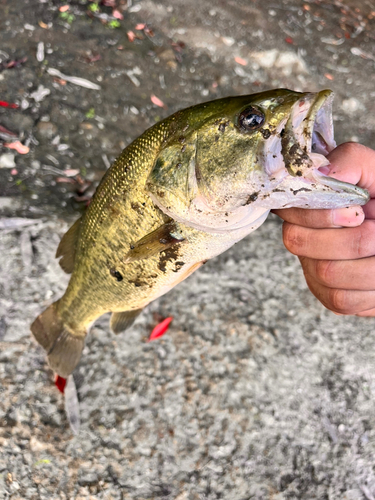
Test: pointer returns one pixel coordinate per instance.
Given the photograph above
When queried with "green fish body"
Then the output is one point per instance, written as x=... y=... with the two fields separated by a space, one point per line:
x=183 y=192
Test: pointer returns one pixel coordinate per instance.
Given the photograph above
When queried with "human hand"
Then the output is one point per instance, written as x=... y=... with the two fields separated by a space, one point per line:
x=336 y=248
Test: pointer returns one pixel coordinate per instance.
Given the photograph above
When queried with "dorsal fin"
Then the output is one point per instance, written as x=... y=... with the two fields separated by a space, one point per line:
x=120 y=321
x=67 y=247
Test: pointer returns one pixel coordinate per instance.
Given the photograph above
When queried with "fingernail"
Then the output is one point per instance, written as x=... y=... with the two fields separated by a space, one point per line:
x=348 y=217
x=325 y=170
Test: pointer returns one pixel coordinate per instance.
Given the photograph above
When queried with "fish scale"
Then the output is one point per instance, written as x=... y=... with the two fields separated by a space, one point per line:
x=102 y=244
x=120 y=180
x=185 y=191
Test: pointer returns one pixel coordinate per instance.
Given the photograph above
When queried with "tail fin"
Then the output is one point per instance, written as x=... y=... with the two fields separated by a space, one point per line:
x=63 y=345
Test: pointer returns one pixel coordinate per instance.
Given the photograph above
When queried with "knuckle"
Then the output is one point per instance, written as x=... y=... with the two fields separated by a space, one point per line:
x=305 y=217
x=350 y=148
x=293 y=238
x=358 y=244
x=339 y=301
x=325 y=271
x=363 y=244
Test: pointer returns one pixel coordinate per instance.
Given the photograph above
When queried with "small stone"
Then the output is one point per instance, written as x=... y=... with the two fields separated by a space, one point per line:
x=25 y=104
x=228 y=41
x=169 y=58
x=36 y=445
x=40 y=52
x=40 y=93
x=144 y=450
x=352 y=105
x=7 y=160
x=35 y=164
x=46 y=130
x=15 y=486
x=287 y=62
x=11 y=418
x=19 y=122
x=88 y=479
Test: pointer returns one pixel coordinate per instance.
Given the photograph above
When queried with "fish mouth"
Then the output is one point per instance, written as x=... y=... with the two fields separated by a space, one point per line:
x=306 y=139
x=318 y=125
x=308 y=135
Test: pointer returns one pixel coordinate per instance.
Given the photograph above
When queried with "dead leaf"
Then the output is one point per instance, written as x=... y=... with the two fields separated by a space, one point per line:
x=18 y=146
x=131 y=36
x=155 y=100
x=65 y=180
x=71 y=172
x=241 y=61
x=117 y=14
x=60 y=81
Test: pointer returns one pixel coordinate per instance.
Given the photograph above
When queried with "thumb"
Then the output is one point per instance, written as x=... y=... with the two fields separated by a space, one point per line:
x=354 y=163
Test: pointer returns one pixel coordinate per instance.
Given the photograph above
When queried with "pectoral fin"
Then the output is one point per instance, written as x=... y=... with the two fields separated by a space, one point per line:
x=153 y=243
x=120 y=321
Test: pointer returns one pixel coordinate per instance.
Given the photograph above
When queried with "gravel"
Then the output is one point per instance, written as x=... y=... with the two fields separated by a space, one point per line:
x=256 y=391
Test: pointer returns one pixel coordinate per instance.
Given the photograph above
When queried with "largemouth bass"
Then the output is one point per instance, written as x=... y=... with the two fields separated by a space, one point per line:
x=183 y=192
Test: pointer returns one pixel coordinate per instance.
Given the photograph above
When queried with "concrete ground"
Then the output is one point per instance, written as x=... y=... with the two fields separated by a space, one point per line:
x=256 y=391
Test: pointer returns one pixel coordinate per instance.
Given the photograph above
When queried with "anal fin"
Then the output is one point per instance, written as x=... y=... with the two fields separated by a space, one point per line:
x=120 y=321
x=67 y=247
x=155 y=242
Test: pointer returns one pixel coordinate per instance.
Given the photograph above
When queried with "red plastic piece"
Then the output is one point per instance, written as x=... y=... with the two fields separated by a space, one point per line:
x=160 y=329
x=5 y=104
x=60 y=383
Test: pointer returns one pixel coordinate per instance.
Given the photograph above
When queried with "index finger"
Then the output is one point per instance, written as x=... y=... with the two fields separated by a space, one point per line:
x=319 y=219
x=349 y=162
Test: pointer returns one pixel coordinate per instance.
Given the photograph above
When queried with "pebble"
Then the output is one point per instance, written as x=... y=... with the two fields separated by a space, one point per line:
x=36 y=445
x=88 y=479
x=46 y=130
x=352 y=105
x=7 y=160
x=40 y=93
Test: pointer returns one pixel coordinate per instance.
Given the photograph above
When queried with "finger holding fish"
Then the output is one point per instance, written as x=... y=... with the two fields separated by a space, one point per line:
x=323 y=219
x=342 y=301
x=331 y=243
x=337 y=247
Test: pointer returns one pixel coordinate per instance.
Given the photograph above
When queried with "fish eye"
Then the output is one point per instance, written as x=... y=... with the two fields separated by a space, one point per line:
x=250 y=119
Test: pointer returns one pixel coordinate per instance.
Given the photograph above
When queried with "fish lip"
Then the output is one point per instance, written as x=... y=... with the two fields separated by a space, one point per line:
x=362 y=196
x=308 y=135
x=318 y=124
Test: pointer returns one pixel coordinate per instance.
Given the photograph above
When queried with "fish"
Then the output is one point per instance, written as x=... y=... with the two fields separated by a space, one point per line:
x=186 y=190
